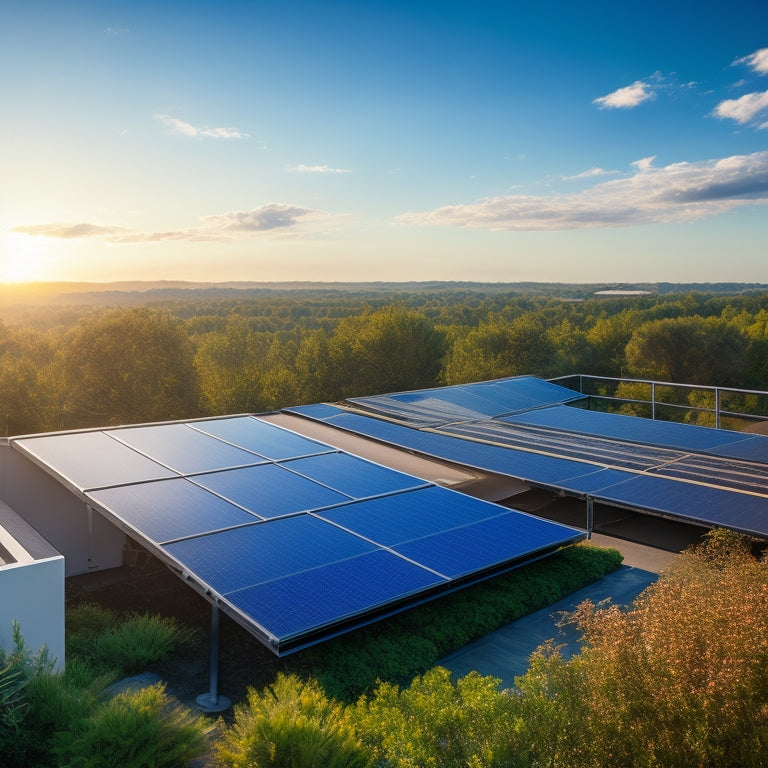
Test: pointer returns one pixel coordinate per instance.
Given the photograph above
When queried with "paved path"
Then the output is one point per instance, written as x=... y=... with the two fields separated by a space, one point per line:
x=504 y=653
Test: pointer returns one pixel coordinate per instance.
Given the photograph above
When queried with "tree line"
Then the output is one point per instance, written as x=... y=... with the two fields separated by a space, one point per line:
x=67 y=368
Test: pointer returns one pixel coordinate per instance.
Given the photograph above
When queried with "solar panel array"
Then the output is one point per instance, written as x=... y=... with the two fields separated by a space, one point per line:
x=712 y=477
x=297 y=540
x=432 y=407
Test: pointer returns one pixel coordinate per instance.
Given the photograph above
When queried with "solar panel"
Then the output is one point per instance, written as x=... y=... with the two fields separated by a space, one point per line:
x=91 y=459
x=269 y=490
x=392 y=520
x=303 y=604
x=182 y=448
x=170 y=509
x=351 y=475
x=751 y=447
x=259 y=553
x=482 y=546
x=261 y=437
x=467 y=401
x=688 y=501
x=629 y=428
x=301 y=542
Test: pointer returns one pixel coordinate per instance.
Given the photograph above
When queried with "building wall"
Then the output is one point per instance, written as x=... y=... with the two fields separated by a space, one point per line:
x=32 y=593
x=87 y=540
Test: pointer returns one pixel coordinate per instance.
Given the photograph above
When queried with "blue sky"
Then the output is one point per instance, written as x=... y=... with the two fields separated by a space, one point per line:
x=486 y=141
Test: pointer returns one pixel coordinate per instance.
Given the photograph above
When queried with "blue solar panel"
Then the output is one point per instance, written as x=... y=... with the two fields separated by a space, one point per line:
x=259 y=553
x=391 y=520
x=169 y=509
x=688 y=501
x=182 y=448
x=318 y=411
x=484 y=545
x=629 y=428
x=261 y=437
x=594 y=483
x=92 y=459
x=752 y=448
x=268 y=490
x=308 y=601
x=467 y=401
x=350 y=475
x=525 y=465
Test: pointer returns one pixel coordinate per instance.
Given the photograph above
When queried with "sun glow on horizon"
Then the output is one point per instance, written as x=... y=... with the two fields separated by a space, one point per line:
x=23 y=259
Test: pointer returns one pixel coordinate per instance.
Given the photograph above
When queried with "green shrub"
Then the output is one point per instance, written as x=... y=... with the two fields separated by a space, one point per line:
x=291 y=724
x=138 y=641
x=83 y=625
x=138 y=729
x=438 y=723
x=59 y=702
x=17 y=669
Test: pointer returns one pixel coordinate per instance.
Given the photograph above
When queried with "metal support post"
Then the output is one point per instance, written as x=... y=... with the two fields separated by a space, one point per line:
x=590 y=516
x=211 y=701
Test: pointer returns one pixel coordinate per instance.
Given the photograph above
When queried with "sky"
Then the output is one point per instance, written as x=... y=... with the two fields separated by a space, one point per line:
x=384 y=141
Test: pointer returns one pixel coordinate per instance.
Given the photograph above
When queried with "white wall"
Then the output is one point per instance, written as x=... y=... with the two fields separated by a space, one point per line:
x=32 y=593
x=88 y=541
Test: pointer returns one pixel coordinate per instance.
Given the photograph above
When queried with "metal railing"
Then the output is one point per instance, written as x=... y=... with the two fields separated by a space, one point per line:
x=721 y=407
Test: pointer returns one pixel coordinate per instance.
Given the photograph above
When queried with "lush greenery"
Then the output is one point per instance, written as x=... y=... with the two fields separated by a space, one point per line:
x=412 y=642
x=64 y=719
x=679 y=679
x=71 y=367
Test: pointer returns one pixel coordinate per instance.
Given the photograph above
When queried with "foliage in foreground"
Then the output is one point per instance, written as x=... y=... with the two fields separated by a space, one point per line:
x=680 y=679
x=291 y=724
x=133 y=730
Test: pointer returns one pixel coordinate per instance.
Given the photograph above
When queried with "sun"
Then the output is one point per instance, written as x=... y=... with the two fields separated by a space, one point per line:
x=23 y=259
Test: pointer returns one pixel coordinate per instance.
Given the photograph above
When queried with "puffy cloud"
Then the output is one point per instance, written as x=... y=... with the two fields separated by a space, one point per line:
x=315 y=169
x=757 y=61
x=627 y=97
x=182 y=128
x=677 y=192
x=271 y=216
x=744 y=109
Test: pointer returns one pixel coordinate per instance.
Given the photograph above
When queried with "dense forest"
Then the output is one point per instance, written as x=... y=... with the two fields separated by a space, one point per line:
x=187 y=353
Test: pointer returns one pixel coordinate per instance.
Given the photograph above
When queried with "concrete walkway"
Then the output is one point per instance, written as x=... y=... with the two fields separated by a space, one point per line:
x=504 y=653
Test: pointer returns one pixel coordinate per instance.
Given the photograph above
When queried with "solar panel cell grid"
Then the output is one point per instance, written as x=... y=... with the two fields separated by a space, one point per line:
x=269 y=490
x=170 y=509
x=261 y=437
x=182 y=448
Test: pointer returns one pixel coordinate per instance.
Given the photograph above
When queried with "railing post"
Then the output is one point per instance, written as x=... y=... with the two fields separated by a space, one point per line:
x=590 y=516
x=653 y=399
x=717 y=407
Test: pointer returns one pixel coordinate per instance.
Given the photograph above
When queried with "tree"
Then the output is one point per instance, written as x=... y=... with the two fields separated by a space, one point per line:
x=498 y=349
x=127 y=366
x=691 y=350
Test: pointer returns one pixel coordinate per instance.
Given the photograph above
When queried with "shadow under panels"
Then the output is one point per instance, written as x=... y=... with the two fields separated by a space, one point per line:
x=296 y=540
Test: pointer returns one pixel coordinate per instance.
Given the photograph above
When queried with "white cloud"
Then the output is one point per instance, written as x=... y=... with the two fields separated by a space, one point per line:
x=677 y=192
x=744 y=109
x=225 y=226
x=757 y=61
x=627 y=97
x=315 y=169
x=271 y=216
x=592 y=172
x=181 y=128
